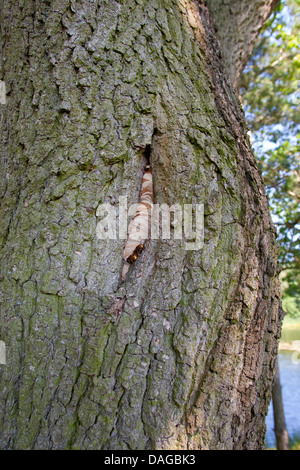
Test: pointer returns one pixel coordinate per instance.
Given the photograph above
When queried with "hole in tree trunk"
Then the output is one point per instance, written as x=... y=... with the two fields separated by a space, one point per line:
x=147 y=155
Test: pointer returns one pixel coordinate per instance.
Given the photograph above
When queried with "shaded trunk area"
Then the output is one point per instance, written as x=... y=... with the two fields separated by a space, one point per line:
x=181 y=355
x=238 y=23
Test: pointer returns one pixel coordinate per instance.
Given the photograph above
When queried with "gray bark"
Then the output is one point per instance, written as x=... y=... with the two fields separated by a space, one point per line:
x=238 y=23
x=182 y=354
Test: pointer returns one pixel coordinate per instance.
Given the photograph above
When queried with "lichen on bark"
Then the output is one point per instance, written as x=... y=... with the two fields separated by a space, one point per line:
x=181 y=355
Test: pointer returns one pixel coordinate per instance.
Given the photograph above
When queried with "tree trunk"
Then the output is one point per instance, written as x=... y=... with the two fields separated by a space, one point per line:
x=282 y=437
x=181 y=354
x=238 y=23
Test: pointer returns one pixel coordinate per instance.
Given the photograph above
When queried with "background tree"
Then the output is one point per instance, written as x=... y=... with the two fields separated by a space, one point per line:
x=182 y=354
x=281 y=433
x=270 y=93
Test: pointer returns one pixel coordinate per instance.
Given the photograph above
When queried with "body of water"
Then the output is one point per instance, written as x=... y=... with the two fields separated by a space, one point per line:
x=289 y=369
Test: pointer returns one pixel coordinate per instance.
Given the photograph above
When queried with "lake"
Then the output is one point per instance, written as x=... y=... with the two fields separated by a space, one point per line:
x=289 y=369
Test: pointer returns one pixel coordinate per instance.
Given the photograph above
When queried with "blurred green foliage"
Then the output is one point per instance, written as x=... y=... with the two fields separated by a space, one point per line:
x=290 y=281
x=270 y=94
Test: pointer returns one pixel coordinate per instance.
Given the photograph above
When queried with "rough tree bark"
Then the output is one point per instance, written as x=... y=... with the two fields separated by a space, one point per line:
x=237 y=24
x=181 y=355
